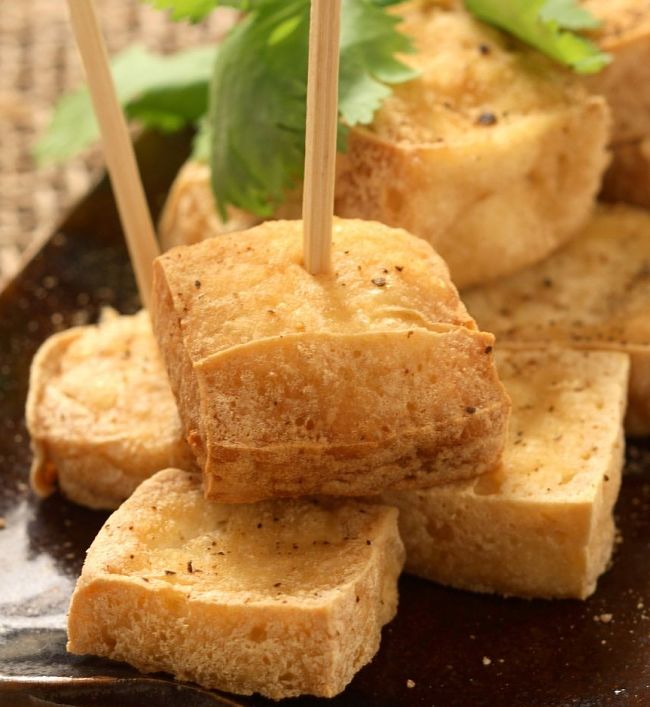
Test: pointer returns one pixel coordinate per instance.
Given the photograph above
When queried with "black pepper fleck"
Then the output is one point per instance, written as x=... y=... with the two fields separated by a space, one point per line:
x=470 y=410
x=197 y=284
x=379 y=281
x=488 y=349
x=190 y=569
x=486 y=119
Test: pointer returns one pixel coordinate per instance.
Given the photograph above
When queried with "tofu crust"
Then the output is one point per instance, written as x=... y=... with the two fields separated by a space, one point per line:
x=282 y=598
x=100 y=412
x=593 y=294
x=625 y=83
x=495 y=180
x=542 y=525
x=371 y=377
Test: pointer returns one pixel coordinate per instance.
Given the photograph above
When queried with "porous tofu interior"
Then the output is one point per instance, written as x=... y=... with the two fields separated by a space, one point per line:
x=464 y=66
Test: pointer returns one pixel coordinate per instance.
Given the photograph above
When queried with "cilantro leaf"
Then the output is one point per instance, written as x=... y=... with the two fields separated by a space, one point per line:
x=197 y=10
x=259 y=89
x=547 y=25
x=202 y=141
x=192 y=10
x=257 y=107
x=568 y=15
x=369 y=42
x=164 y=92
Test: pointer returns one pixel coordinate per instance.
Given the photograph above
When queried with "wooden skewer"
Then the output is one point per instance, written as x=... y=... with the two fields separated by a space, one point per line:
x=118 y=150
x=320 y=143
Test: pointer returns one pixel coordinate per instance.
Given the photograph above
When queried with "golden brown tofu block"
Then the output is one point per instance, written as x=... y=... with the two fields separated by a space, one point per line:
x=625 y=83
x=100 y=412
x=368 y=378
x=542 y=525
x=593 y=294
x=282 y=598
x=493 y=178
x=625 y=34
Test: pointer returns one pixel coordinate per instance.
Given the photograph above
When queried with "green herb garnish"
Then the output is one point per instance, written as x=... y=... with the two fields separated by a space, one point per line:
x=548 y=25
x=163 y=92
x=259 y=91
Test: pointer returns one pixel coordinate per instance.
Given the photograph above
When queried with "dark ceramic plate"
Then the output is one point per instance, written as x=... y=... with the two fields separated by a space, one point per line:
x=541 y=654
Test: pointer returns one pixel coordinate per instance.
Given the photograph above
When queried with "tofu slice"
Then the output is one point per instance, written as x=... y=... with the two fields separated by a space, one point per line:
x=625 y=83
x=349 y=383
x=592 y=294
x=282 y=598
x=494 y=179
x=542 y=525
x=100 y=412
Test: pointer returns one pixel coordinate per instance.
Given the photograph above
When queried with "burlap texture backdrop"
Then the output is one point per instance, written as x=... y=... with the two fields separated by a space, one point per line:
x=39 y=62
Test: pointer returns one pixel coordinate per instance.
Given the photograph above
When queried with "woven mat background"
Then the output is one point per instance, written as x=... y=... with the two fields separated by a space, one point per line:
x=39 y=62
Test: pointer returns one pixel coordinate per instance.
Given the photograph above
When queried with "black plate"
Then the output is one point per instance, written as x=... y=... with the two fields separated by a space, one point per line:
x=542 y=654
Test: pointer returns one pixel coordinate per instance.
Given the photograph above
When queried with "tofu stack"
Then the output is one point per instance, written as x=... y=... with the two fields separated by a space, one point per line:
x=367 y=378
x=293 y=391
x=281 y=598
x=236 y=435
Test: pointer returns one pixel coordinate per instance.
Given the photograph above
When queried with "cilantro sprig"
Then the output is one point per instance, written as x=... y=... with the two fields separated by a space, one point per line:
x=548 y=25
x=163 y=92
x=259 y=89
